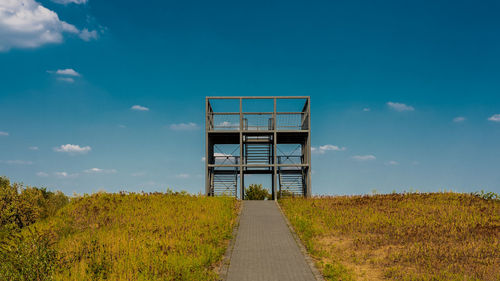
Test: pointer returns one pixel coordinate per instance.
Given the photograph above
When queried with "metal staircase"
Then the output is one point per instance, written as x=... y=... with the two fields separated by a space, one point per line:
x=256 y=153
x=258 y=150
x=291 y=182
x=225 y=183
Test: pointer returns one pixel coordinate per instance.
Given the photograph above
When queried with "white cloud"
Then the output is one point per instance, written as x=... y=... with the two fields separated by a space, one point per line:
x=203 y=159
x=64 y=175
x=495 y=118
x=322 y=149
x=66 y=79
x=65 y=75
x=366 y=109
x=16 y=162
x=459 y=119
x=73 y=149
x=400 y=106
x=138 y=174
x=184 y=126
x=139 y=108
x=87 y=35
x=33 y=148
x=393 y=163
x=218 y=154
x=4 y=134
x=68 y=72
x=183 y=176
x=28 y=24
x=65 y=2
x=42 y=174
x=364 y=157
x=99 y=171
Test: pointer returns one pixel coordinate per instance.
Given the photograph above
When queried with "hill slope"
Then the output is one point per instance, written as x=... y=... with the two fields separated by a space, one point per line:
x=439 y=236
x=128 y=237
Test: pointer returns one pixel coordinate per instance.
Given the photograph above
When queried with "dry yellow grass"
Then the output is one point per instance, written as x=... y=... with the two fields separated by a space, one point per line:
x=439 y=236
x=141 y=236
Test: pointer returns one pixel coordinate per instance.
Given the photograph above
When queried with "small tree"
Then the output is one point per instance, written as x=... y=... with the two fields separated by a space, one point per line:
x=257 y=192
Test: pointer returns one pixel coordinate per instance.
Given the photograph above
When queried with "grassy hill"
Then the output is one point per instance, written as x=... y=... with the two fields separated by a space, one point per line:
x=173 y=236
x=437 y=236
x=123 y=237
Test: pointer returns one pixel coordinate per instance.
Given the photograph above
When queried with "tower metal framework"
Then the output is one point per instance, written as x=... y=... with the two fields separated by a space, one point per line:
x=255 y=141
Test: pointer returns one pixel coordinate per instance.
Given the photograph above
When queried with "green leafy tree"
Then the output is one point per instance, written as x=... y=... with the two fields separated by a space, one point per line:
x=257 y=192
x=22 y=206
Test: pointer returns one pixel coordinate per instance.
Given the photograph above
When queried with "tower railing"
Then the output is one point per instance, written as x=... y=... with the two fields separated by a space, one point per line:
x=258 y=121
x=230 y=121
x=224 y=121
x=291 y=121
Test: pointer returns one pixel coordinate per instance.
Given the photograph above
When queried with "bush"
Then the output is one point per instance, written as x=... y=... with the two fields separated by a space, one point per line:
x=27 y=256
x=257 y=192
x=22 y=206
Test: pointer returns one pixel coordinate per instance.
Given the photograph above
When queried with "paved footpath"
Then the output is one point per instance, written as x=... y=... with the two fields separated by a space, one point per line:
x=265 y=248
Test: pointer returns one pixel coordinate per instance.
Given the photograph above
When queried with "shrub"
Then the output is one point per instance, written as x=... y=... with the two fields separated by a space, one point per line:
x=27 y=256
x=21 y=206
x=256 y=192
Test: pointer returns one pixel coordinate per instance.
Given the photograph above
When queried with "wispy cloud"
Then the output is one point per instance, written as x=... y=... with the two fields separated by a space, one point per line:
x=366 y=109
x=66 y=75
x=495 y=118
x=67 y=72
x=70 y=1
x=138 y=174
x=66 y=79
x=16 y=162
x=65 y=175
x=99 y=171
x=203 y=159
x=139 y=108
x=73 y=149
x=87 y=35
x=364 y=157
x=400 y=106
x=182 y=176
x=184 y=126
x=33 y=148
x=42 y=174
x=322 y=149
x=4 y=134
x=459 y=119
x=393 y=163
x=122 y=126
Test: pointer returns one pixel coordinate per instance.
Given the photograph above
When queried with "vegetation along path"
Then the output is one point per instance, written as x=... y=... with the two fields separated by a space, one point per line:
x=265 y=248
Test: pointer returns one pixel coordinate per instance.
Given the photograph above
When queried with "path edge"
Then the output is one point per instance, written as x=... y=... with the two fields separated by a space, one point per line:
x=309 y=260
x=226 y=259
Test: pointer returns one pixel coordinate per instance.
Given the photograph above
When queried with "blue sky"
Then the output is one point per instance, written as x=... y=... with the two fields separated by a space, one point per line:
x=411 y=90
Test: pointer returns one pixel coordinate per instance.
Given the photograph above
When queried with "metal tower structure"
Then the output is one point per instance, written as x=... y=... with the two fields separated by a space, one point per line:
x=240 y=142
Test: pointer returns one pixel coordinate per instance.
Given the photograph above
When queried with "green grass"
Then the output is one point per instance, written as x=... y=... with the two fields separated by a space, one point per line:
x=130 y=237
